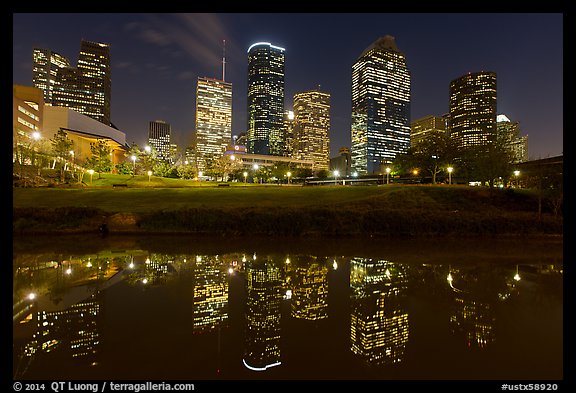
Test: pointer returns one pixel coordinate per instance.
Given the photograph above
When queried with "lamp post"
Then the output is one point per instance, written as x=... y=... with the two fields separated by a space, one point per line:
x=288 y=174
x=336 y=173
x=516 y=174
x=133 y=165
x=245 y=175
x=256 y=167
x=91 y=172
x=388 y=175
x=149 y=174
x=450 y=169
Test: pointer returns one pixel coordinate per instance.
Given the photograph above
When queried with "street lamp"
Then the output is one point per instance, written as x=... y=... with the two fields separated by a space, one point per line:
x=91 y=172
x=148 y=149
x=133 y=165
x=288 y=174
x=450 y=169
x=388 y=175
x=336 y=173
x=516 y=174
x=245 y=175
x=149 y=174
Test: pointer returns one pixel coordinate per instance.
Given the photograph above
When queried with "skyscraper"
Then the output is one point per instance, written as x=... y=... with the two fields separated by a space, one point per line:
x=380 y=106
x=472 y=109
x=422 y=128
x=213 y=119
x=86 y=88
x=159 y=134
x=265 y=99
x=45 y=66
x=312 y=127
x=509 y=132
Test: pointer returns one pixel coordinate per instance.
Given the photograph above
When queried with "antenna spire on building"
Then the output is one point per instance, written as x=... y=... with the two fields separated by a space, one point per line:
x=224 y=61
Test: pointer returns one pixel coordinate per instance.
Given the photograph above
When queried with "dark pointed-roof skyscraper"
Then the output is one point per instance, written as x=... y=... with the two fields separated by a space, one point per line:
x=266 y=99
x=380 y=106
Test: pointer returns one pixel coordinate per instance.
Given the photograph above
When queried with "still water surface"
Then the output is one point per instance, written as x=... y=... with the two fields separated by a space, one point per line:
x=409 y=310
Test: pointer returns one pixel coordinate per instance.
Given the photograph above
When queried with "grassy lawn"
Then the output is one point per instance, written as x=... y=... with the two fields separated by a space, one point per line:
x=144 y=199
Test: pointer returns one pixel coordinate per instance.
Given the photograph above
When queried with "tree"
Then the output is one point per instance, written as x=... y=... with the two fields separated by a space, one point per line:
x=186 y=171
x=433 y=155
x=61 y=147
x=100 y=159
x=224 y=165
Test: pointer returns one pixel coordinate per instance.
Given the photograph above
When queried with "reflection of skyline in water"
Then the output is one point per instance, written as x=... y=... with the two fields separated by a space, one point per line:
x=210 y=293
x=309 y=285
x=379 y=321
x=264 y=294
x=66 y=314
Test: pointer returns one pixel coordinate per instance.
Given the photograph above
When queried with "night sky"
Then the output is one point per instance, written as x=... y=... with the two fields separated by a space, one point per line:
x=156 y=59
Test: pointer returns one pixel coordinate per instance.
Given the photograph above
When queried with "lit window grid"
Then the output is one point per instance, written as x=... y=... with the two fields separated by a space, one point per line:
x=472 y=109
x=213 y=119
x=266 y=100
x=380 y=109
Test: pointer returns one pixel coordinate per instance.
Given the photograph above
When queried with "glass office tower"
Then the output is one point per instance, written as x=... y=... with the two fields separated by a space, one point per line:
x=266 y=99
x=380 y=106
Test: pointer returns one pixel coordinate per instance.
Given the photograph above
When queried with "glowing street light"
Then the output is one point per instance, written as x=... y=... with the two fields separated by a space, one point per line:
x=336 y=173
x=517 y=276
x=36 y=135
x=148 y=149
x=255 y=167
x=288 y=174
x=388 y=175
x=450 y=169
x=133 y=165
x=516 y=174
x=91 y=172
x=245 y=176
x=31 y=296
x=149 y=174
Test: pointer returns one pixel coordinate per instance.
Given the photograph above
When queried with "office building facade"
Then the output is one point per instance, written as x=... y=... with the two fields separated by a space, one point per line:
x=159 y=136
x=422 y=128
x=85 y=88
x=509 y=132
x=213 y=119
x=380 y=106
x=266 y=99
x=312 y=128
x=472 y=109
x=45 y=67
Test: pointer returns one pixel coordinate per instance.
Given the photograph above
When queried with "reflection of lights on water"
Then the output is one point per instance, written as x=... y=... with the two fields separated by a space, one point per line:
x=517 y=277
x=335 y=265
x=287 y=260
x=244 y=258
x=254 y=256
x=260 y=368
x=449 y=278
x=288 y=294
x=198 y=258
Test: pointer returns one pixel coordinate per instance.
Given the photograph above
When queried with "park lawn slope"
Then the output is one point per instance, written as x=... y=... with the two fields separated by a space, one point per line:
x=405 y=210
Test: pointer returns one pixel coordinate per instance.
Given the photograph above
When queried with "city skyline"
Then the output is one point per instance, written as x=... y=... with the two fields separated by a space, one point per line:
x=156 y=58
